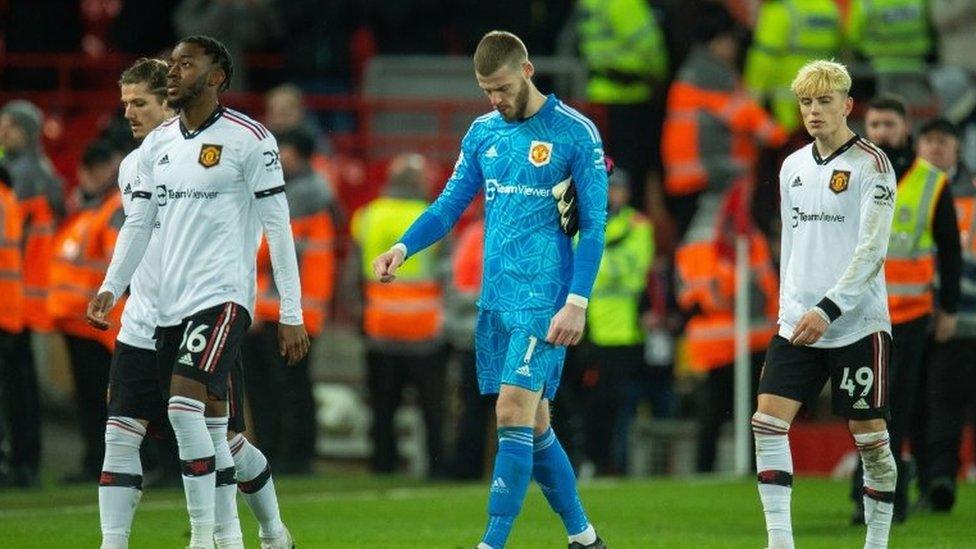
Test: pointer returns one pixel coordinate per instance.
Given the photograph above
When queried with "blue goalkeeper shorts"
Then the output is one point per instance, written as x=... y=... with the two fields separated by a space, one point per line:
x=511 y=349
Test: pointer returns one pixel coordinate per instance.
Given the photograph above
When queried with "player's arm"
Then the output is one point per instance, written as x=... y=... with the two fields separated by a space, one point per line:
x=945 y=232
x=589 y=174
x=130 y=246
x=438 y=219
x=876 y=212
x=268 y=187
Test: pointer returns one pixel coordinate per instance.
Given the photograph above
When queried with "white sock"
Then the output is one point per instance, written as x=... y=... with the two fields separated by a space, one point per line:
x=774 y=465
x=227 y=526
x=120 y=485
x=198 y=462
x=585 y=537
x=880 y=477
x=483 y=545
x=256 y=485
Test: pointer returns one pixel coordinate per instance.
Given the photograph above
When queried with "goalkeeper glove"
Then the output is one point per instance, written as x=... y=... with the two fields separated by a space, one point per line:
x=565 y=195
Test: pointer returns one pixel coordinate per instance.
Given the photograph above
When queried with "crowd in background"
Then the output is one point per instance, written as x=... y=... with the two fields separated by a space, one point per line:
x=698 y=114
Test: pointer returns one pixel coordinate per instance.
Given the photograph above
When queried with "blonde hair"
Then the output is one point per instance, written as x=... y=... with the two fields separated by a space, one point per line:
x=821 y=77
x=498 y=49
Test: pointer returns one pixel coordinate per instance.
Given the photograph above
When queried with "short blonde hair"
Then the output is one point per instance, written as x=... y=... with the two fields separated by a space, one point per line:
x=821 y=77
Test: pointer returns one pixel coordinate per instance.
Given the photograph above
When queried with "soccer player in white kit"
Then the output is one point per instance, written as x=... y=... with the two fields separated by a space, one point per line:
x=139 y=385
x=206 y=175
x=837 y=199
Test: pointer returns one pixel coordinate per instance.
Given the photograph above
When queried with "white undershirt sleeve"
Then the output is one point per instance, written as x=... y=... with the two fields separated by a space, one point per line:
x=273 y=213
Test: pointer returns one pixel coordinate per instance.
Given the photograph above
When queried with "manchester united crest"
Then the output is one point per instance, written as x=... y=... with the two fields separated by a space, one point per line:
x=839 y=180
x=209 y=155
x=540 y=153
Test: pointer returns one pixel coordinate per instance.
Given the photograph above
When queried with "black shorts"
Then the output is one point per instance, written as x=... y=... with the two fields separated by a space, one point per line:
x=206 y=347
x=858 y=375
x=139 y=388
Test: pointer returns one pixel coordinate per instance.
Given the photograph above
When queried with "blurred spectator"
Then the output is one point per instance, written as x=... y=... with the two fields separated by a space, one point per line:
x=40 y=195
x=788 y=34
x=712 y=126
x=284 y=111
x=623 y=48
x=11 y=325
x=317 y=48
x=402 y=320
x=281 y=396
x=705 y=270
x=461 y=316
x=82 y=251
x=954 y=22
x=614 y=331
x=952 y=364
x=894 y=36
x=239 y=24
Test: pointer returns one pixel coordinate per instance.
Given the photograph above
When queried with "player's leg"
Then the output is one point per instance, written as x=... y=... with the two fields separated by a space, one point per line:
x=207 y=344
x=789 y=378
x=515 y=411
x=254 y=478
x=554 y=473
x=133 y=400
x=227 y=525
x=859 y=392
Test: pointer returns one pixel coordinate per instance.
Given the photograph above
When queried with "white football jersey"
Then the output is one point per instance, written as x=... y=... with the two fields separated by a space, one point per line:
x=836 y=215
x=139 y=314
x=205 y=184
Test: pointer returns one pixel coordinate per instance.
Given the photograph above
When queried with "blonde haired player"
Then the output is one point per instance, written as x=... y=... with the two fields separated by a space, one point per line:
x=837 y=198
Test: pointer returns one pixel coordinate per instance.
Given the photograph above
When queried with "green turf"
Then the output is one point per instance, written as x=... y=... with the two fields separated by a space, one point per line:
x=370 y=512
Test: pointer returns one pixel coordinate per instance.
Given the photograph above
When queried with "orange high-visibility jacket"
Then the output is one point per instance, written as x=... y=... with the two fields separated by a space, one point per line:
x=706 y=279
x=11 y=263
x=82 y=251
x=410 y=309
x=711 y=128
x=314 y=231
x=910 y=262
x=38 y=245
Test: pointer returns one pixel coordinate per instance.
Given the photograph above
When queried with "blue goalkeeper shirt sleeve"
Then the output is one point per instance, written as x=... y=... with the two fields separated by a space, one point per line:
x=590 y=178
x=460 y=189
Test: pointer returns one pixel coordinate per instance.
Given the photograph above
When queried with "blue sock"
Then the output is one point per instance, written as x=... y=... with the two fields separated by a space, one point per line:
x=552 y=470
x=509 y=482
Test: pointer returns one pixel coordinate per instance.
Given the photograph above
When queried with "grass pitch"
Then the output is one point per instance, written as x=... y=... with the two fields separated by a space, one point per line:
x=361 y=511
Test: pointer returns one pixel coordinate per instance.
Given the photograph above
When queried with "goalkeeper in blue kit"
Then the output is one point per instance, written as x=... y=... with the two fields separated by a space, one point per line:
x=541 y=166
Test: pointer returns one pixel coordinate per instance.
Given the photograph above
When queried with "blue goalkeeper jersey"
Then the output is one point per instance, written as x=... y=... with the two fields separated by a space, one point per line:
x=528 y=262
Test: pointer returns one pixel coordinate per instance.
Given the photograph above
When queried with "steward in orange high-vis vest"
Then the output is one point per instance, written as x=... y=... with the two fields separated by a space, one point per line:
x=402 y=320
x=705 y=273
x=82 y=251
x=712 y=127
x=41 y=202
x=284 y=408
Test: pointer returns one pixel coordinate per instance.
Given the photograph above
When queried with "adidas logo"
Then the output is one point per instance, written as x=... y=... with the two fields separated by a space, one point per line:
x=524 y=371
x=163 y=160
x=499 y=486
x=492 y=153
x=128 y=189
x=186 y=360
x=796 y=182
x=860 y=404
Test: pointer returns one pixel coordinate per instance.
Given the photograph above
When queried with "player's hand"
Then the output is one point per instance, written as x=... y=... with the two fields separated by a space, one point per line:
x=566 y=328
x=809 y=329
x=292 y=342
x=385 y=266
x=98 y=309
x=945 y=326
